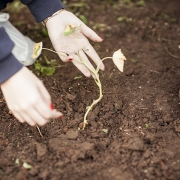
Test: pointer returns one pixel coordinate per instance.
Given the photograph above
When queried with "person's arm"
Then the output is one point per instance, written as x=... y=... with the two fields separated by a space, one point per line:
x=9 y=65
x=41 y=9
x=25 y=94
x=56 y=26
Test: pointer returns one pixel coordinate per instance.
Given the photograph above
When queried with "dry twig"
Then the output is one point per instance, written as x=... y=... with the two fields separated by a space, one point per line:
x=39 y=130
x=174 y=56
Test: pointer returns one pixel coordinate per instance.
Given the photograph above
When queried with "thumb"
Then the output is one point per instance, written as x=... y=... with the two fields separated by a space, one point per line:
x=88 y=32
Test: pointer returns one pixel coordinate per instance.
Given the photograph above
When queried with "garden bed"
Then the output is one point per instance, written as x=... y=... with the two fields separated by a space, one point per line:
x=139 y=110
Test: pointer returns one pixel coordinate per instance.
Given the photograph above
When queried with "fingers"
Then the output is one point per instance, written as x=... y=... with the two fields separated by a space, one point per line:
x=44 y=113
x=28 y=119
x=65 y=58
x=41 y=112
x=88 y=32
x=94 y=56
x=44 y=93
x=44 y=107
x=80 y=66
x=78 y=60
x=83 y=57
x=18 y=116
x=37 y=117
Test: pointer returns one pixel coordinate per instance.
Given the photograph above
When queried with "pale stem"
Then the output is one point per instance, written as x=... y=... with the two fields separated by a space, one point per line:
x=94 y=103
x=39 y=130
x=97 y=69
x=57 y=52
x=96 y=79
x=98 y=82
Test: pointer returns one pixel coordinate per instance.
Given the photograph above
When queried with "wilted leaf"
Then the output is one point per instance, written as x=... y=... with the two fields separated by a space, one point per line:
x=37 y=50
x=118 y=59
x=26 y=165
x=71 y=29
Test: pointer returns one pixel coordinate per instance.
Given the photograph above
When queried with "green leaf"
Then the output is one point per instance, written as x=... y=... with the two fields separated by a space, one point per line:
x=52 y=62
x=45 y=32
x=70 y=29
x=48 y=71
x=83 y=19
x=37 y=66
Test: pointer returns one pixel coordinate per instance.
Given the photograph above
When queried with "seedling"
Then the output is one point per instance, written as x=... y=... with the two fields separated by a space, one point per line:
x=118 y=59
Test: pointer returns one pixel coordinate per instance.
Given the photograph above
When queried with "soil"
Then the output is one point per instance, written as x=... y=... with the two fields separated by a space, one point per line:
x=140 y=107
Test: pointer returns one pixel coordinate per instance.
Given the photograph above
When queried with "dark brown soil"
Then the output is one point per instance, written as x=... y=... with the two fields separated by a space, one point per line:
x=140 y=107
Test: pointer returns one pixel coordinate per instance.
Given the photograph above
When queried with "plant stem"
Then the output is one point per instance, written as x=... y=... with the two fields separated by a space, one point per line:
x=98 y=82
x=96 y=78
x=97 y=69
x=57 y=52
x=39 y=130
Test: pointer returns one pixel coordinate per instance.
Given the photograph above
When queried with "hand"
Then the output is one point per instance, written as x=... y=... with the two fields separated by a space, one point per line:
x=28 y=99
x=72 y=44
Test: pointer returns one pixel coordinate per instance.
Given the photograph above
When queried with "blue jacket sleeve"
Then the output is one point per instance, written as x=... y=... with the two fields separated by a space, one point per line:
x=41 y=9
x=9 y=65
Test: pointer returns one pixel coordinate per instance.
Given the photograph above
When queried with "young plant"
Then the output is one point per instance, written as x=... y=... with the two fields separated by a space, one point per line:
x=118 y=59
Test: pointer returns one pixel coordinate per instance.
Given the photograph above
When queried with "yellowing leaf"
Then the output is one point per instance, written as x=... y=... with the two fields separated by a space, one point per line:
x=118 y=59
x=71 y=29
x=37 y=50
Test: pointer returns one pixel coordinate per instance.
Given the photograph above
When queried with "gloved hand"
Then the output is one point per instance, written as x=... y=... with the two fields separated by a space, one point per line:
x=28 y=99
x=70 y=45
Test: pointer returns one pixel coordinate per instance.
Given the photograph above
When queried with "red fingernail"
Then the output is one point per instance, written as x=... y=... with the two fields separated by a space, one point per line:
x=70 y=59
x=51 y=106
x=60 y=117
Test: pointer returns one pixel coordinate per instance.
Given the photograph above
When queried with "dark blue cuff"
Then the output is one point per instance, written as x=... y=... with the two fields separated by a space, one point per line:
x=8 y=67
x=41 y=9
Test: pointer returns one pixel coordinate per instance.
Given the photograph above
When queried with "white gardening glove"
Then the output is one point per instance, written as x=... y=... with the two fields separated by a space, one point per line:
x=70 y=45
x=28 y=99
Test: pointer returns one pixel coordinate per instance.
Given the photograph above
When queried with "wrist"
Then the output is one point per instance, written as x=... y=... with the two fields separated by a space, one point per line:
x=48 y=18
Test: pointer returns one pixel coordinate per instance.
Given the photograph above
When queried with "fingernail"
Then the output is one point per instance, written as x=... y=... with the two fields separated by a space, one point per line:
x=60 y=116
x=101 y=37
x=70 y=59
x=51 y=106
